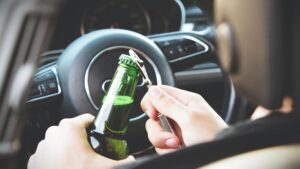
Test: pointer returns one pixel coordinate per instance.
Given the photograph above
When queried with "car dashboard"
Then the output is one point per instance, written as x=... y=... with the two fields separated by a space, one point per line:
x=142 y=16
x=149 y=18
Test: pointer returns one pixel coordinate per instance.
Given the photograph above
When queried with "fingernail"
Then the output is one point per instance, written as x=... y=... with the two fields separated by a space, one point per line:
x=171 y=143
x=155 y=93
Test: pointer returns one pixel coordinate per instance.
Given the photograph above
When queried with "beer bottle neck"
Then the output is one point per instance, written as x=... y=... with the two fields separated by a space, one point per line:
x=113 y=117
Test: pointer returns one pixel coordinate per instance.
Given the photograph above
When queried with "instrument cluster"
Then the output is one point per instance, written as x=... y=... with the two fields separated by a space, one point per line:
x=142 y=16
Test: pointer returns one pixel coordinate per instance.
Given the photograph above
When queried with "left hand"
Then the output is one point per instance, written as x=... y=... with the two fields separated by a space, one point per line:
x=66 y=147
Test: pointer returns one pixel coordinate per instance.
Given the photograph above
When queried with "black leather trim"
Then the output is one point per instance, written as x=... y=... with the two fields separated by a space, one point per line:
x=278 y=129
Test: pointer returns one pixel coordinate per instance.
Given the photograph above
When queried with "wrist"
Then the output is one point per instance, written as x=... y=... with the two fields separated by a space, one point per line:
x=127 y=160
x=96 y=161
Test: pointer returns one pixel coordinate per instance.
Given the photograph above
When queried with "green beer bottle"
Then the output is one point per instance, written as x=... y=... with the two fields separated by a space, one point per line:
x=106 y=135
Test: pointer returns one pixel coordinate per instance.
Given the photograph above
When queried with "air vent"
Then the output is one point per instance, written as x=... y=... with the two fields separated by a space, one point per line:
x=50 y=57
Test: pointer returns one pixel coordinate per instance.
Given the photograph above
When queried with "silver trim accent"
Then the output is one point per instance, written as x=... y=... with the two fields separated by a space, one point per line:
x=206 y=31
x=53 y=69
x=175 y=37
x=104 y=84
x=104 y=112
x=183 y=13
x=198 y=76
x=231 y=103
x=142 y=82
x=206 y=48
x=86 y=77
x=52 y=52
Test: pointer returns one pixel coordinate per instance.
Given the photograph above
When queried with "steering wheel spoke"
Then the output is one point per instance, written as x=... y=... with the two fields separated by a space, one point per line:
x=183 y=50
x=45 y=85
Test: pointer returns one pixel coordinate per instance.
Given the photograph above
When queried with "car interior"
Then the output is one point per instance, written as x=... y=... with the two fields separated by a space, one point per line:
x=57 y=59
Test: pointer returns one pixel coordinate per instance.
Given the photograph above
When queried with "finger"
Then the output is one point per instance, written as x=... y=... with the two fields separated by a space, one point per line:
x=167 y=105
x=41 y=144
x=30 y=164
x=50 y=131
x=40 y=147
x=84 y=120
x=187 y=98
x=129 y=159
x=287 y=105
x=160 y=138
x=147 y=107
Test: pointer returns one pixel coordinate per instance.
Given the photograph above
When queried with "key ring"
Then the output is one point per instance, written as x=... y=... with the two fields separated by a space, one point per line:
x=141 y=67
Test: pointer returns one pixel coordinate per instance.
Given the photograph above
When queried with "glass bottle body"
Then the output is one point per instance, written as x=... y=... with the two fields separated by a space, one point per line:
x=107 y=134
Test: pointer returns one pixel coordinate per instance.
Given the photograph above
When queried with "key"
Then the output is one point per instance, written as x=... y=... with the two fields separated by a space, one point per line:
x=164 y=122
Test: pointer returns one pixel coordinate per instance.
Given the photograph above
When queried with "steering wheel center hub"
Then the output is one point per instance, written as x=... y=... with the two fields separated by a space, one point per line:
x=100 y=72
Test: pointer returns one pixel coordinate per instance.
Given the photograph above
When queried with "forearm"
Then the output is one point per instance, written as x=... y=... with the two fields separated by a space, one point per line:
x=97 y=163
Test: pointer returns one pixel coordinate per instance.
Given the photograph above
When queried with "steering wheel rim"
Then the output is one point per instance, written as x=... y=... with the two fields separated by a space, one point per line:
x=110 y=39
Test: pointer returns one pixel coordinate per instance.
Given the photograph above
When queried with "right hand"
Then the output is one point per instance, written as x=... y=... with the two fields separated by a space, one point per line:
x=194 y=121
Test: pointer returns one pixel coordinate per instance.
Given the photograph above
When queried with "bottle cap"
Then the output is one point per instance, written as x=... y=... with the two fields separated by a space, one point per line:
x=127 y=60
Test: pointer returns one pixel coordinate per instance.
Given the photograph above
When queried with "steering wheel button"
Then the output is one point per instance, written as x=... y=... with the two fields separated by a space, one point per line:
x=43 y=88
x=171 y=52
x=35 y=91
x=179 y=48
x=190 y=48
x=52 y=85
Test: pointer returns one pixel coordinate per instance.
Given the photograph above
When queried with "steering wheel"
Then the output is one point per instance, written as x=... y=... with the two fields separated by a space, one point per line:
x=84 y=70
